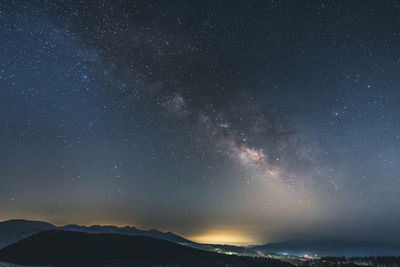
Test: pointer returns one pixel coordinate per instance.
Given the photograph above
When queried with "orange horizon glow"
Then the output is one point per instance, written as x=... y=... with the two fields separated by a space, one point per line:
x=226 y=237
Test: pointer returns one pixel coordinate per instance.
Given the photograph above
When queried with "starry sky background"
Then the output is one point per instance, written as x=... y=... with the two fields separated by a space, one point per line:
x=226 y=121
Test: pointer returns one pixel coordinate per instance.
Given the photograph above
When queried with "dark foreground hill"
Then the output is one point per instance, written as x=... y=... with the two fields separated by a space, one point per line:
x=14 y=230
x=66 y=248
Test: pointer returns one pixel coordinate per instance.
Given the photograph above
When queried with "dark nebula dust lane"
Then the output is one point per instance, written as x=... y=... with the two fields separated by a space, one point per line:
x=223 y=121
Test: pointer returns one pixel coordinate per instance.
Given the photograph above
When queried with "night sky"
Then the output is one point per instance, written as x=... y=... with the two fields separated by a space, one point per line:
x=223 y=121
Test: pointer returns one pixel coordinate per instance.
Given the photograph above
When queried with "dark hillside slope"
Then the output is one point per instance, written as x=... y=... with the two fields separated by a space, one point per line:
x=127 y=230
x=60 y=248
x=14 y=230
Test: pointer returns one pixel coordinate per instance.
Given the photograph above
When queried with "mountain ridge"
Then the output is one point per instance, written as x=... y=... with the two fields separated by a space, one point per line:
x=14 y=230
x=66 y=248
x=9 y=237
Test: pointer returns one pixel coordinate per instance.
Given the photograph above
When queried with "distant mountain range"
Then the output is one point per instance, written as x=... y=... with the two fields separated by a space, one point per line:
x=127 y=230
x=330 y=248
x=15 y=230
x=75 y=248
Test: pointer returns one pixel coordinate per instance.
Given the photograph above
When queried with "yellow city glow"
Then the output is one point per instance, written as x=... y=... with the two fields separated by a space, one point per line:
x=224 y=237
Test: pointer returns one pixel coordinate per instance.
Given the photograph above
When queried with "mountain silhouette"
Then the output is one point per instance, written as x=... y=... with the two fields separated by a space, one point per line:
x=61 y=248
x=127 y=230
x=14 y=230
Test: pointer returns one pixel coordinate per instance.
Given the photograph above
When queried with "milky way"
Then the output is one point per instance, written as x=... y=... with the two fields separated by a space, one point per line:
x=268 y=120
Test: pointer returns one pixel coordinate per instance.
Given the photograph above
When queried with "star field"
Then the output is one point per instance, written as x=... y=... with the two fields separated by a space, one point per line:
x=272 y=120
